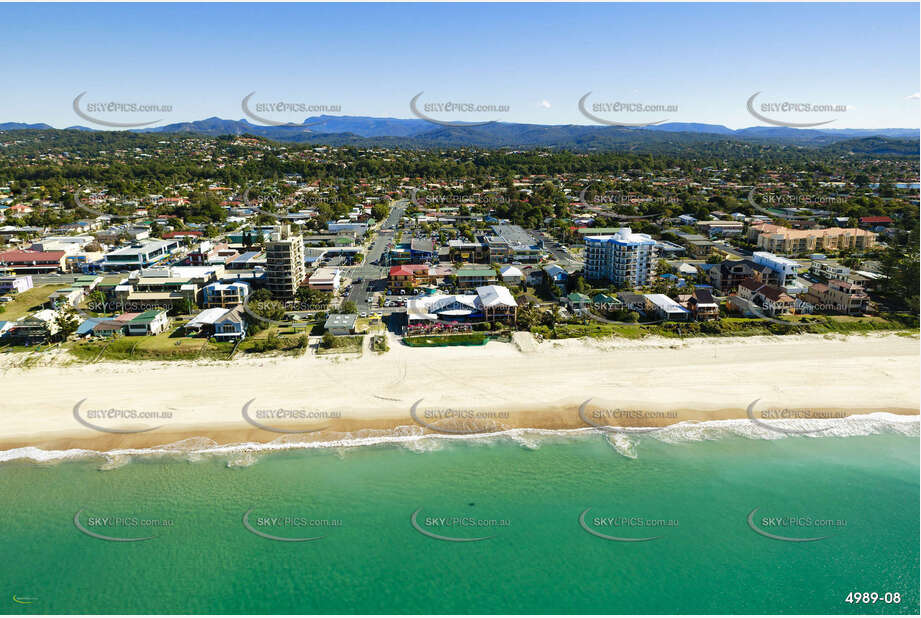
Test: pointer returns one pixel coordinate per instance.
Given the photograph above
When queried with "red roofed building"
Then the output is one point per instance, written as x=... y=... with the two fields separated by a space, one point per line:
x=409 y=276
x=874 y=221
x=182 y=234
x=32 y=261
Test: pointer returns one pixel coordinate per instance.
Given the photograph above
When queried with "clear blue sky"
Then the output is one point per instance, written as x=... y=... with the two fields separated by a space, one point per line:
x=537 y=58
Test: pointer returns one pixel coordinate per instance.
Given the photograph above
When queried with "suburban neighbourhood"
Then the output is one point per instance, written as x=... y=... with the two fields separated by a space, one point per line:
x=296 y=265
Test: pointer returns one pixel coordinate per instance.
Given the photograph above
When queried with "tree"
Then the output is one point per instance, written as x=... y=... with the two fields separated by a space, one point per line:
x=379 y=211
x=67 y=322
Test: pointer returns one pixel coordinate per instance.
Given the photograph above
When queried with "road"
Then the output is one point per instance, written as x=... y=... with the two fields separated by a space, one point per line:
x=373 y=276
x=557 y=252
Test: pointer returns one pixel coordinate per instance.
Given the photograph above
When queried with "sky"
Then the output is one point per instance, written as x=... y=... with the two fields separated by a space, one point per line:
x=702 y=61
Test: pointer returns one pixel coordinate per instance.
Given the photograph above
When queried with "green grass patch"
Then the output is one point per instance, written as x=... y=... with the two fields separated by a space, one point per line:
x=425 y=341
x=28 y=302
x=737 y=327
x=345 y=344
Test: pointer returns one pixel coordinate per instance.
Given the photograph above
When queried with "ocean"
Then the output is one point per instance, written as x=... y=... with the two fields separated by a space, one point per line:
x=528 y=522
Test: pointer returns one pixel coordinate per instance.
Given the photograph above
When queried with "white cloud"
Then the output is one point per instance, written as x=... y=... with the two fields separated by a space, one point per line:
x=914 y=96
x=545 y=104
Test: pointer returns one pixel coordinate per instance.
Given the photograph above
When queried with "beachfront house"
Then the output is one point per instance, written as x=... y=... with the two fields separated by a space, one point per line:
x=150 y=322
x=231 y=325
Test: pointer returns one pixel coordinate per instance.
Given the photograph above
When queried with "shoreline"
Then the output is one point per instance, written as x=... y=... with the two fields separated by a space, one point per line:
x=628 y=383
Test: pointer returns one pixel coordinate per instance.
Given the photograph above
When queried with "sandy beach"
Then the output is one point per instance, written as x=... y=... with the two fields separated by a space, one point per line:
x=649 y=382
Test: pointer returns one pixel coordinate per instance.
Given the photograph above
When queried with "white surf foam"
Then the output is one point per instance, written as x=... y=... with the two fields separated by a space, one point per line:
x=414 y=438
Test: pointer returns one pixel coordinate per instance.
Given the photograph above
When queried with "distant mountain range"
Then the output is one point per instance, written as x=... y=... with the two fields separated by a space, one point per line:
x=418 y=133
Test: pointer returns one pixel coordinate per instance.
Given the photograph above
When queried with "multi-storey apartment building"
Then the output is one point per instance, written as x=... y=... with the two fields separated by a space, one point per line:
x=779 y=239
x=225 y=295
x=284 y=264
x=624 y=258
x=837 y=296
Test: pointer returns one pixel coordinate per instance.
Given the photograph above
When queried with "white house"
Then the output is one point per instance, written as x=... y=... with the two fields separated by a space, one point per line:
x=326 y=279
x=511 y=275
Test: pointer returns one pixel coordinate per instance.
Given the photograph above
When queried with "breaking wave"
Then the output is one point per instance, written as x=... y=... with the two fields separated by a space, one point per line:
x=416 y=439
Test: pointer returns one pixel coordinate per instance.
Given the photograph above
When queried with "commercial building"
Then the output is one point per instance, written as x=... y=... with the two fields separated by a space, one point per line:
x=625 y=258
x=325 y=279
x=474 y=276
x=34 y=262
x=512 y=243
x=411 y=276
x=507 y=243
x=416 y=251
x=139 y=254
x=491 y=303
x=284 y=268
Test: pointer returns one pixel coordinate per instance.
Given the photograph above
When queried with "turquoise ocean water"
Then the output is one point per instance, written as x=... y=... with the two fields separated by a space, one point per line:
x=695 y=497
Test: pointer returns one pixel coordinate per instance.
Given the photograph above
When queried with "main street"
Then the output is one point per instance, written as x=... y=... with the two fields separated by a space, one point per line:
x=366 y=277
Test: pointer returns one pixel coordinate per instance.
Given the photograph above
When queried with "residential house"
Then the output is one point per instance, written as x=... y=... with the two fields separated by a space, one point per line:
x=727 y=275
x=773 y=300
x=577 y=303
x=39 y=327
x=664 y=308
x=511 y=275
x=702 y=305
x=557 y=276
x=231 y=325
x=150 y=322
x=15 y=283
